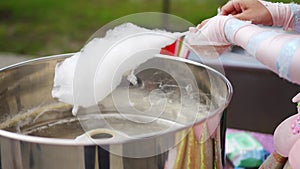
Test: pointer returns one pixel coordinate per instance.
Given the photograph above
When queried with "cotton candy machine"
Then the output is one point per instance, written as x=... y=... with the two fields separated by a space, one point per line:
x=39 y=132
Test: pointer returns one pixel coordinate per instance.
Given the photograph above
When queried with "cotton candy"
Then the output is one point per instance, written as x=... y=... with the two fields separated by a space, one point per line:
x=93 y=73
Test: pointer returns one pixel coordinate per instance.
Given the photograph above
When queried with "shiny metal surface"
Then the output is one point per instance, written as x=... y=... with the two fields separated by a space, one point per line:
x=25 y=96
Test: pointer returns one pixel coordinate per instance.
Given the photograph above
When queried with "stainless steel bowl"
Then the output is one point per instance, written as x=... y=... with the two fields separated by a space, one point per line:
x=38 y=131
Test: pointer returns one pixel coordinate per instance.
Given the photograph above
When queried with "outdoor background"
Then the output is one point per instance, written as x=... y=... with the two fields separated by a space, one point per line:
x=47 y=27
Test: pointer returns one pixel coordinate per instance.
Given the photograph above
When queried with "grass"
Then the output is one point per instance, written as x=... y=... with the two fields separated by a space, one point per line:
x=47 y=27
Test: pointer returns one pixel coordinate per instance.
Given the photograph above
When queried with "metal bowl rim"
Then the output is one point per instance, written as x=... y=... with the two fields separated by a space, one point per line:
x=71 y=142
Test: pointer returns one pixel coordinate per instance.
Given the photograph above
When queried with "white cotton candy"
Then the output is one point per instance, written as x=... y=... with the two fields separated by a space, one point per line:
x=63 y=79
x=94 y=72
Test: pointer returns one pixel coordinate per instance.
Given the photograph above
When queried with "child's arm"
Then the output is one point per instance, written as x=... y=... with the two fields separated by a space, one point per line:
x=279 y=51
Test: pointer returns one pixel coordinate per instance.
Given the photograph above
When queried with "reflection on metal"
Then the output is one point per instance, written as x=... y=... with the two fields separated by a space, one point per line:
x=26 y=102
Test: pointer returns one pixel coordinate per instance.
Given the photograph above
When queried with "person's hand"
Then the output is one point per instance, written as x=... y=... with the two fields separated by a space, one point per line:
x=249 y=10
x=209 y=36
x=210 y=32
x=296 y=99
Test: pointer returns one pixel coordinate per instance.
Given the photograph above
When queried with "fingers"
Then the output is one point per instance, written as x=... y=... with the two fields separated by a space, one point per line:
x=227 y=9
x=296 y=98
x=240 y=10
x=232 y=7
x=245 y=16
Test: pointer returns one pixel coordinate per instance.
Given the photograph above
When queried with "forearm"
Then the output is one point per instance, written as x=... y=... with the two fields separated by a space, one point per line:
x=279 y=51
x=284 y=15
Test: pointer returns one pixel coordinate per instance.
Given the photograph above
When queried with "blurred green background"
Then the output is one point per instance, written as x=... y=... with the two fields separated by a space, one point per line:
x=47 y=27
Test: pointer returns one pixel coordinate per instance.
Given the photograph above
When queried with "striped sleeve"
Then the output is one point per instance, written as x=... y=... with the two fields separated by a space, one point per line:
x=279 y=51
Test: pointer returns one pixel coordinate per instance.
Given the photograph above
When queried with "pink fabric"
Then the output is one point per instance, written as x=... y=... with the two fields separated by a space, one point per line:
x=267 y=53
x=210 y=125
x=284 y=139
x=198 y=131
x=210 y=34
x=294 y=155
x=220 y=31
x=269 y=48
x=273 y=47
x=243 y=34
x=281 y=14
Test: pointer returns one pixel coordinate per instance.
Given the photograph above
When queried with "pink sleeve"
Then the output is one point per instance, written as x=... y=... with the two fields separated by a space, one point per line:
x=281 y=14
x=284 y=15
x=279 y=51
